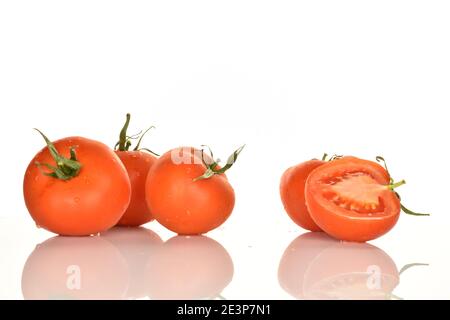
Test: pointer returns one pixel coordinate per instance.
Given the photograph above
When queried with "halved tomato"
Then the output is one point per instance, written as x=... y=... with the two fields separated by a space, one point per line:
x=352 y=199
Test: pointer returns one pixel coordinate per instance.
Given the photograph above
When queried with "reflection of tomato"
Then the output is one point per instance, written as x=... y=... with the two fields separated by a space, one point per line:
x=137 y=163
x=351 y=199
x=80 y=201
x=292 y=191
x=189 y=268
x=137 y=246
x=315 y=266
x=181 y=204
x=75 y=268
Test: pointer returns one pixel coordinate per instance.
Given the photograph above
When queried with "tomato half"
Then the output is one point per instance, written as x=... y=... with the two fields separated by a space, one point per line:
x=351 y=199
x=77 y=202
x=138 y=164
x=292 y=192
x=182 y=203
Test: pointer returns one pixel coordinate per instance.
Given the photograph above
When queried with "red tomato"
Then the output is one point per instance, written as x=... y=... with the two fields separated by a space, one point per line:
x=352 y=199
x=292 y=192
x=316 y=266
x=189 y=268
x=80 y=194
x=183 y=203
x=87 y=268
x=138 y=164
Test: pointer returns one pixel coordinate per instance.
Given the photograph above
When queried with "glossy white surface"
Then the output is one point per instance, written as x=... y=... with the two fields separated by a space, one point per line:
x=151 y=263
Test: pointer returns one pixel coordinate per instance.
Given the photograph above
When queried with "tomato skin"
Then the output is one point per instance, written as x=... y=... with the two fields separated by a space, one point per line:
x=344 y=224
x=89 y=203
x=292 y=192
x=183 y=205
x=138 y=164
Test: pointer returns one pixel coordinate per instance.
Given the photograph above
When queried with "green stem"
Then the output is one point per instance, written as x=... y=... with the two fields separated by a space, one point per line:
x=211 y=168
x=395 y=185
x=412 y=213
x=123 y=134
x=65 y=168
x=140 y=139
x=124 y=143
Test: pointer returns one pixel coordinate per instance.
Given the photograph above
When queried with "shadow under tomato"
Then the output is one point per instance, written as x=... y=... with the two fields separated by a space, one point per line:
x=315 y=266
x=189 y=267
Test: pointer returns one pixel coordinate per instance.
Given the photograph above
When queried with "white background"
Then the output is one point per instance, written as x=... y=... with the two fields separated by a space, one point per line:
x=291 y=79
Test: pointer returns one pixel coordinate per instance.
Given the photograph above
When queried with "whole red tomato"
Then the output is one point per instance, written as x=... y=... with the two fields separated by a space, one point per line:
x=188 y=193
x=292 y=192
x=138 y=163
x=76 y=186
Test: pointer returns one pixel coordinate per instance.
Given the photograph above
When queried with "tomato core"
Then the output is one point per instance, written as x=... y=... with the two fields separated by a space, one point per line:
x=355 y=191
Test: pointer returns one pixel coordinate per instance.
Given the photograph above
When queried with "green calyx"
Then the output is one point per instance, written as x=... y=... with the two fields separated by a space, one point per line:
x=212 y=168
x=124 y=142
x=65 y=168
x=325 y=157
x=393 y=185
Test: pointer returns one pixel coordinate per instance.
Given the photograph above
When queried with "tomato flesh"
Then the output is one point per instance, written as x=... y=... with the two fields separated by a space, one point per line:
x=356 y=191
